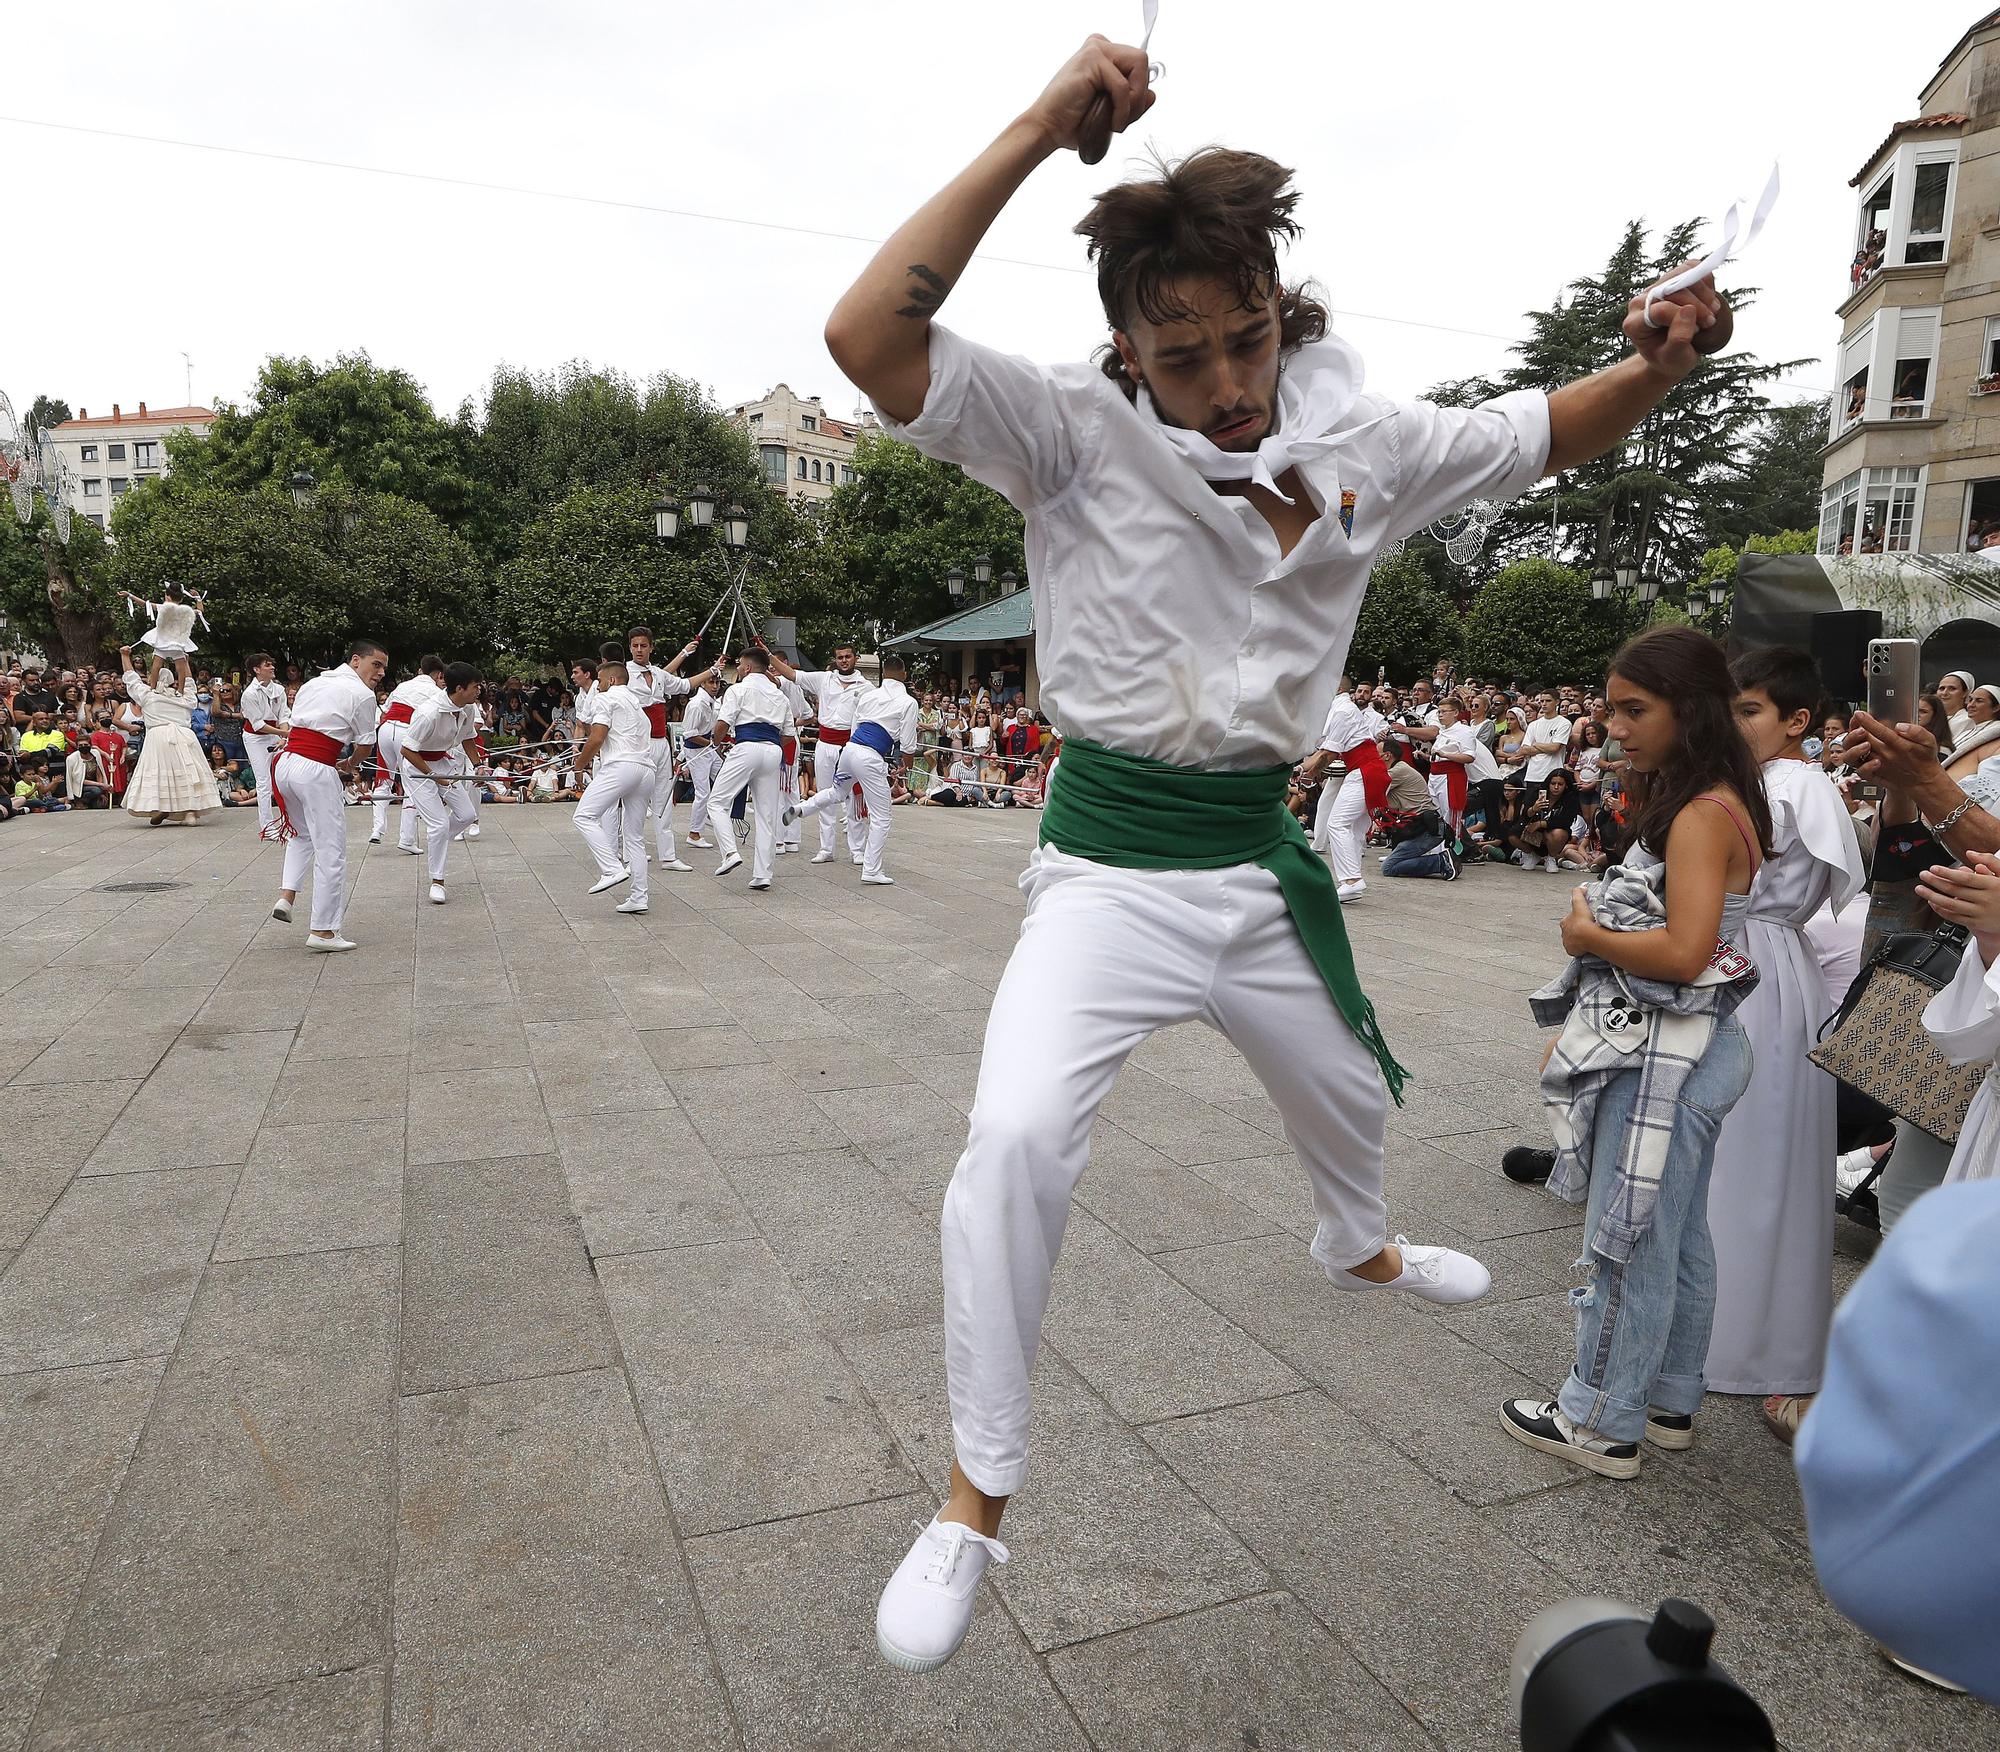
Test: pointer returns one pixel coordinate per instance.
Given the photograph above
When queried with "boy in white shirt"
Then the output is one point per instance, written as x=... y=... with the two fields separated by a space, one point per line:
x=621 y=741
x=759 y=719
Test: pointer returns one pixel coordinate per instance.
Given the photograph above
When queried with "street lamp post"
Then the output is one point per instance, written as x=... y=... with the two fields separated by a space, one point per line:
x=302 y=484
x=669 y=519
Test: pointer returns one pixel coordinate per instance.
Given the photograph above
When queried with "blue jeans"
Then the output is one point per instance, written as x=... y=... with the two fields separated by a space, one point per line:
x=1642 y=1325
x=1422 y=856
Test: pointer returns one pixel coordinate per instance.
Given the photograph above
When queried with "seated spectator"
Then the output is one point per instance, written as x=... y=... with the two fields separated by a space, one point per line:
x=499 y=784
x=83 y=786
x=959 y=788
x=34 y=790
x=1028 y=794
x=993 y=780
x=43 y=735
x=1550 y=822
x=1419 y=849
x=235 y=784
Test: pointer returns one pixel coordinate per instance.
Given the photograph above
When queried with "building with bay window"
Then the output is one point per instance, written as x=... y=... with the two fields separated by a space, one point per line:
x=109 y=454
x=1912 y=461
x=805 y=452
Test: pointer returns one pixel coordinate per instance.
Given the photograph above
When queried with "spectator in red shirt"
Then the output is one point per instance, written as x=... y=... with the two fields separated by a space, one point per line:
x=1018 y=742
x=110 y=747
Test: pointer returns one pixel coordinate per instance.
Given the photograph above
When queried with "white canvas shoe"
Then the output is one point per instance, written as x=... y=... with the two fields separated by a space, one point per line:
x=612 y=881
x=760 y=882
x=472 y=832
x=412 y=850
x=634 y=905
x=1351 y=890
x=1436 y=1274
x=924 y=1611
x=822 y=857
x=695 y=839
x=374 y=839
x=676 y=864
x=879 y=881
x=788 y=815
x=282 y=912
x=327 y=945
x=437 y=894
x=728 y=864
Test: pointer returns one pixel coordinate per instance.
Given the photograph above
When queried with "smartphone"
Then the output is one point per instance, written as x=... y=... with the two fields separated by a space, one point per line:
x=1893 y=687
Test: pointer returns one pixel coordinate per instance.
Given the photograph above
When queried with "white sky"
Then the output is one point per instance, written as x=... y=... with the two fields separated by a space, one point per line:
x=1459 y=161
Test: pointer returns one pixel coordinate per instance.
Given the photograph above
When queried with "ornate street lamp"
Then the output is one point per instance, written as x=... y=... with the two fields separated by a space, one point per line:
x=736 y=527
x=666 y=517
x=1649 y=587
x=1602 y=582
x=302 y=484
x=1718 y=593
x=982 y=570
x=1009 y=582
x=701 y=507
x=954 y=581
x=1627 y=579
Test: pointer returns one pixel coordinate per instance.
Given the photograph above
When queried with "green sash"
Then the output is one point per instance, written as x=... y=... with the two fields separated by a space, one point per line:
x=1139 y=814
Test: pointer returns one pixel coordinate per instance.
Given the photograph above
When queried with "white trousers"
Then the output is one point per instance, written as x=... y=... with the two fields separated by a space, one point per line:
x=316 y=802
x=1440 y=790
x=257 y=750
x=1347 y=829
x=1105 y=957
x=788 y=798
x=751 y=766
x=825 y=760
x=617 y=798
x=388 y=765
x=870 y=771
x=701 y=765
x=447 y=810
x=1323 y=812
x=661 y=803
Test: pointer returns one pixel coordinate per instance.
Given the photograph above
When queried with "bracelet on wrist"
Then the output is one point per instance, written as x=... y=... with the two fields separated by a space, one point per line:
x=1946 y=822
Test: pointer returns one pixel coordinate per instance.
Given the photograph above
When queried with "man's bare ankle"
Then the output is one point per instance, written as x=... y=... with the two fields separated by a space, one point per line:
x=1384 y=1268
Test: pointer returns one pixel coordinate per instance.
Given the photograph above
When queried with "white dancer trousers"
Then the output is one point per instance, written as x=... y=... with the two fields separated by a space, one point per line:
x=612 y=819
x=1322 y=832
x=447 y=810
x=788 y=798
x=826 y=760
x=316 y=802
x=661 y=806
x=1347 y=829
x=1105 y=957
x=751 y=766
x=259 y=751
x=388 y=764
x=863 y=767
x=701 y=766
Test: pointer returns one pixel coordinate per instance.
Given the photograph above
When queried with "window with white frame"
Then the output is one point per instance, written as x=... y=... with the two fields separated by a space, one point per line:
x=1982 y=515
x=1872 y=511
x=1915 y=367
x=93 y=489
x=90 y=453
x=1851 y=404
x=1930 y=201
x=1989 y=358
x=146 y=454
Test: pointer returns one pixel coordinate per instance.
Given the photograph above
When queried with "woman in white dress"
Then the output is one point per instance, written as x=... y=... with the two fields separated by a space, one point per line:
x=172 y=632
x=1770 y=1199
x=1964 y=1018
x=172 y=776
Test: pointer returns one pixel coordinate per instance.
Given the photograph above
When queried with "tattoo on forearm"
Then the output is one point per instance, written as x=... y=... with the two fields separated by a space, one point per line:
x=927 y=292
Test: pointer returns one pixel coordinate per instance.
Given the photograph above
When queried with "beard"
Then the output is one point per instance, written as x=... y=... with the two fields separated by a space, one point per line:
x=1262 y=412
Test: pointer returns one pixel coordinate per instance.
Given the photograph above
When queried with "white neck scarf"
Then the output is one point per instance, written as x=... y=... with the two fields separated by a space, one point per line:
x=1317 y=388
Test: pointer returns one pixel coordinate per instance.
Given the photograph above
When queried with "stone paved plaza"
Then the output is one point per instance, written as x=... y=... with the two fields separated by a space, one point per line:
x=525 y=1332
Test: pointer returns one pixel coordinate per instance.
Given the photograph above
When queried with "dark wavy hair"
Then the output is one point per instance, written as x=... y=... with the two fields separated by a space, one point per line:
x=1217 y=214
x=1689 y=670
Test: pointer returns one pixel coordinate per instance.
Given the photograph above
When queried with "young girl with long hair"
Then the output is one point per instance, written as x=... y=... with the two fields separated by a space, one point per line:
x=1636 y=1129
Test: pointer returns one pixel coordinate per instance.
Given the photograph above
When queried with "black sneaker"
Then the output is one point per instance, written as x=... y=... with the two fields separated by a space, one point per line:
x=1669 y=1429
x=1450 y=864
x=1537 y=1423
x=1528 y=1165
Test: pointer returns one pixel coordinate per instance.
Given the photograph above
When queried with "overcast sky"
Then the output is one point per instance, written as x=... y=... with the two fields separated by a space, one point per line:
x=1459 y=162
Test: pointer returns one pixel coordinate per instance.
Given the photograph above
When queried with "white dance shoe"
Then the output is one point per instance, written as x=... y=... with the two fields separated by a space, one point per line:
x=679 y=864
x=282 y=912
x=328 y=945
x=879 y=881
x=612 y=881
x=924 y=1611
x=437 y=894
x=635 y=905
x=822 y=857
x=760 y=882
x=1436 y=1274
x=733 y=861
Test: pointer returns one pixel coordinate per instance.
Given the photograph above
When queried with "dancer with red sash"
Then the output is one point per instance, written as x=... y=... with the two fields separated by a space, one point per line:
x=396 y=715
x=835 y=693
x=334 y=709
x=1452 y=758
x=1352 y=727
x=652 y=685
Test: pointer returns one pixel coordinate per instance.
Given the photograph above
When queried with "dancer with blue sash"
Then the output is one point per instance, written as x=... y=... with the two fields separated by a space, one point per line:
x=759 y=719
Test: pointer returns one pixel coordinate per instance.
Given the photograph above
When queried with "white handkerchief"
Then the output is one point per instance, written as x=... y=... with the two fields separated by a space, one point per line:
x=1726 y=249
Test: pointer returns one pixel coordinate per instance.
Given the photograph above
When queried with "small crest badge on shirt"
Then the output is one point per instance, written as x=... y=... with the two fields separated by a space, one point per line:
x=1347 y=510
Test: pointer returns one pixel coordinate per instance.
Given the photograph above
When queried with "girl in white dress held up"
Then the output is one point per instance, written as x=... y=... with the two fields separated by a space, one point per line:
x=434 y=756
x=266 y=713
x=172 y=776
x=1770 y=1197
x=335 y=710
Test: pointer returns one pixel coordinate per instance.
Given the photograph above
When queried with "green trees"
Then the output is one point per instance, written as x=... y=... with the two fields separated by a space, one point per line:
x=1535 y=622
x=57 y=595
x=1406 y=622
x=45 y=412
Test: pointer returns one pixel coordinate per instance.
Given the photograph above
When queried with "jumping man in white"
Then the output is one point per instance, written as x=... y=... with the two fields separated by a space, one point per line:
x=404 y=699
x=1187 y=510
x=336 y=708
x=835 y=694
x=759 y=719
x=266 y=712
x=434 y=750
x=885 y=725
x=620 y=740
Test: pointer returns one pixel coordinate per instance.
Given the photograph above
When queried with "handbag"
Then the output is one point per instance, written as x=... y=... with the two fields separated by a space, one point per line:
x=1876 y=1041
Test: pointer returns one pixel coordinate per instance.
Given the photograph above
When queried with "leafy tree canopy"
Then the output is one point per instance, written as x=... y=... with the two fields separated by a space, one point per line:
x=57 y=595
x=1536 y=622
x=1406 y=622
x=45 y=412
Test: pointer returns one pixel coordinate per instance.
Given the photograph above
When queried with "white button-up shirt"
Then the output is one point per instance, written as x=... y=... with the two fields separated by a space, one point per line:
x=890 y=706
x=756 y=699
x=1349 y=725
x=627 y=734
x=653 y=685
x=414 y=692
x=339 y=704
x=834 y=695
x=263 y=702
x=439 y=727
x=699 y=718
x=1228 y=650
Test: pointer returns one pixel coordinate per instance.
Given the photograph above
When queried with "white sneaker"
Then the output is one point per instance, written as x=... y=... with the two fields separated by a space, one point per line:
x=634 y=905
x=925 y=1610
x=1351 y=890
x=857 y=861
x=1550 y=865
x=729 y=863
x=695 y=839
x=472 y=832
x=1436 y=1274
x=282 y=912
x=412 y=850
x=437 y=894
x=1851 y=1169
x=822 y=857
x=781 y=851
x=676 y=864
x=760 y=882
x=327 y=945
x=612 y=881
x=879 y=881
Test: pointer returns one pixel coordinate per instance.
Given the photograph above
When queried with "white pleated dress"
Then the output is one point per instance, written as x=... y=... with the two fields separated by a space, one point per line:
x=172 y=775
x=172 y=631
x=1770 y=1198
x=1964 y=1025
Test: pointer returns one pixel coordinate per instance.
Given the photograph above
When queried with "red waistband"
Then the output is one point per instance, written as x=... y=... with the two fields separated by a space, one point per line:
x=313 y=744
x=429 y=753
x=398 y=713
x=833 y=738
x=656 y=716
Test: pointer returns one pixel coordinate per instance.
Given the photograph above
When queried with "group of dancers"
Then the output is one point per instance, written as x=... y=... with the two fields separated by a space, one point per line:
x=739 y=750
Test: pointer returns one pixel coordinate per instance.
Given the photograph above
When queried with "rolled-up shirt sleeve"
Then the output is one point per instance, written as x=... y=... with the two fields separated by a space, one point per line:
x=1005 y=420
x=1450 y=456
